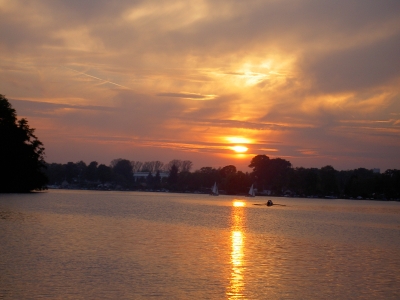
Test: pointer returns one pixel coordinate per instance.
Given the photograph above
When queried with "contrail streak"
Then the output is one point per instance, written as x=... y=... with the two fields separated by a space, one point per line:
x=104 y=81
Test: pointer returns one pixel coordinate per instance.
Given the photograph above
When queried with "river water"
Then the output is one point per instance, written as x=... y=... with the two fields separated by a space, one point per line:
x=134 y=245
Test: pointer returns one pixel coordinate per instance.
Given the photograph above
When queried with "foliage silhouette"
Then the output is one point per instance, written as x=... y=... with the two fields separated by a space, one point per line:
x=274 y=177
x=173 y=177
x=21 y=153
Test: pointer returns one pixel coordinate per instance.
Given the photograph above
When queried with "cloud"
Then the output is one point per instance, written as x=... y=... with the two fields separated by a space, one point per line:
x=312 y=77
x=361 y=67
x=246 y=124
x=187 y=96
x=27 y=107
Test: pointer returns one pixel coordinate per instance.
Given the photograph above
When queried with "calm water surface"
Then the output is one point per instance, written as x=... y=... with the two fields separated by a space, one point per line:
x=132 y=245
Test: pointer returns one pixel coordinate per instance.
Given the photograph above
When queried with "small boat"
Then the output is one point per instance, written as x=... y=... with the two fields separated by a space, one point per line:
x=251 y=192
x=214 y=190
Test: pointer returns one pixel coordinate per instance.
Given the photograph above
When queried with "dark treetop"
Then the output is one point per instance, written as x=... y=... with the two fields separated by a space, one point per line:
x=21 y=153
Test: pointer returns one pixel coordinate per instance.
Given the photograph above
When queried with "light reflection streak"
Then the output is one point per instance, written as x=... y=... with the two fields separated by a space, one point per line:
x=236 y=287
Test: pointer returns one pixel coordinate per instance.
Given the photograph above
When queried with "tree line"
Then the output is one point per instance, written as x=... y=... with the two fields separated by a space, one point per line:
x=275 y=177
x=24 y=169
x=119 y=174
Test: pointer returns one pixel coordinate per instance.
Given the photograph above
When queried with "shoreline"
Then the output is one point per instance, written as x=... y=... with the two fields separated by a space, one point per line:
x=206 y=193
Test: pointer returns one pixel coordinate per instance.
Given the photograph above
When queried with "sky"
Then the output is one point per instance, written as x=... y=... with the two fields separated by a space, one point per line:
x=314 y=82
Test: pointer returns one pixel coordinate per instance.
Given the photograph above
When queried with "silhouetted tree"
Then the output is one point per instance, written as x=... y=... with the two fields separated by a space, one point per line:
x=242 y=182
x=81 y=168
x=270 y=173
x=148 y=166
x=278 y=174
x=158 y=165
x=91 y=171
x=136 y=166
x=21 y=153
x=311 y=182
x=391 y=184
x=55 y=173
x=185 y=181
x=328 y=181
x=207 y=176
x=173 y=177
x=186 y=166
x=228 y=179
x=227 y=170
x=104 y=173
x=71 y=172
x=150 y=179
x=260 y=163
x=157 y=179
x=175 y=162
x=123 y=173
x=114 y=162
x=360 y=182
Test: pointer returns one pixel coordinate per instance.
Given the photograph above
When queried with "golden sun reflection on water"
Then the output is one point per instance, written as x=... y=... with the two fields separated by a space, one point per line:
x=236 y=288
x=238 y=203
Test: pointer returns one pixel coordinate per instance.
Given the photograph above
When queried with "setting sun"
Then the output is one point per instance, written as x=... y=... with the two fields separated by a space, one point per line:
x=239 y=149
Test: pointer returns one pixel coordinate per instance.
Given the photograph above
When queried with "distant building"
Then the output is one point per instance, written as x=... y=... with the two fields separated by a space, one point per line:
x=64 y=184
x=266 y=192
x=376 y=170
x=143 y=175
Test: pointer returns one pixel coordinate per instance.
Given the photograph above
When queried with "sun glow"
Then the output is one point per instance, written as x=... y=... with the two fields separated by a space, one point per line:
x=238 y=203
x=239 y=149
x=238 y=140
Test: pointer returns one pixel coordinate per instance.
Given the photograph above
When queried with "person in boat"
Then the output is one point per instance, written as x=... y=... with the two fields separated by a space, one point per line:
x=270 y=203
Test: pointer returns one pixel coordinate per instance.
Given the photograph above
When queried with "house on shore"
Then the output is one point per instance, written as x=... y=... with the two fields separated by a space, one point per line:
x=139 y=176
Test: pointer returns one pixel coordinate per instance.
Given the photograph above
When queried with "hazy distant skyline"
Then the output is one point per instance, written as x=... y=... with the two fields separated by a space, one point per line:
x=313 y=82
